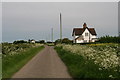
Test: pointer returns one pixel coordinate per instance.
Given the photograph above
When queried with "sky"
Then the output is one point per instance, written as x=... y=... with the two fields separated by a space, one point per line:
x=119 y=18
x=60 y=0
x=0 y=22
x=34 y=20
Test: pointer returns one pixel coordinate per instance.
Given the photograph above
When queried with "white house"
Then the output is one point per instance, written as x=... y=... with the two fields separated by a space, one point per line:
x=31 y=41
x=84 y=35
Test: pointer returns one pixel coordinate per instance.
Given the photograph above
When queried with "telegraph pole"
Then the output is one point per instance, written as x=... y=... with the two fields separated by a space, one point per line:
x=52 y=35
x=60 y=27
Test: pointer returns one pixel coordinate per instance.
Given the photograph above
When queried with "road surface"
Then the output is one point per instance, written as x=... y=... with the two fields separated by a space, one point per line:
x=45 y=64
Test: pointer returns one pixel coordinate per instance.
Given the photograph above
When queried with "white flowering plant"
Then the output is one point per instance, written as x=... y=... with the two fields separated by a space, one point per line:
x=105 y=55
x=10 y=48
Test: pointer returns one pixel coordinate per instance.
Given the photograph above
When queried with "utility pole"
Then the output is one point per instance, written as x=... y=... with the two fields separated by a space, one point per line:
x=119 y=27
x=46 y=39
x=60 y=27
x=52 y=35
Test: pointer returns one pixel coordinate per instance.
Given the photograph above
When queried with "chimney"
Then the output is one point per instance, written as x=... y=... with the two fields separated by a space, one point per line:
x=84 y=25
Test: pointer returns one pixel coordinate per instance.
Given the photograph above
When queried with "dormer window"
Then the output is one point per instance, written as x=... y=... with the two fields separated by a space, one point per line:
x=86 y=34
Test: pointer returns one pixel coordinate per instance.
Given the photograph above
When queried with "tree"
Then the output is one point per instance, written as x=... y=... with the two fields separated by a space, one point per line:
x=42 y=41
x=109 y=39
x=19 y=41
x=58 y=41
x=66 y=40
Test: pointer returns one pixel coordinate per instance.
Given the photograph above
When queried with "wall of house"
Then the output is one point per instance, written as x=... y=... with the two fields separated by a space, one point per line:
x=89 y=37
x=79 y=41
x=94 y=38
x=74 y=37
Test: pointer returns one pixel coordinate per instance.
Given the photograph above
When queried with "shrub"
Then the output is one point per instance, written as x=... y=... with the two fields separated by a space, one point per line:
x=109 y=39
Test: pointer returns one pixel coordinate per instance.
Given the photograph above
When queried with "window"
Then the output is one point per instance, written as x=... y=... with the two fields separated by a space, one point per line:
x=86 y=34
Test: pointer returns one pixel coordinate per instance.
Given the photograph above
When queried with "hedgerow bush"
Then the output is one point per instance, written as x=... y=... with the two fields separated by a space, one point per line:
x=109 y=39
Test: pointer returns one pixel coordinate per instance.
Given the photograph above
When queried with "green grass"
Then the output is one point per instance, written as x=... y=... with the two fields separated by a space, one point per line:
x=79 y=67
x=0 y=67
x=12 y=63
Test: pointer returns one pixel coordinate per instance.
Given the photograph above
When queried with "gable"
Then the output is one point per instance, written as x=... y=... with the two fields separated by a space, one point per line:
x=86 y=31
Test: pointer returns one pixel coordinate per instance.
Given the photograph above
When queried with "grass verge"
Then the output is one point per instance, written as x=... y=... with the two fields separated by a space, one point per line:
x=0 y=67
x=12 y=63
x=79 y=67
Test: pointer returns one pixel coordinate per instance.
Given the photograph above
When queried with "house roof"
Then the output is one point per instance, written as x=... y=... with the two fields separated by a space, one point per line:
x=79 y=37
x=79 y=31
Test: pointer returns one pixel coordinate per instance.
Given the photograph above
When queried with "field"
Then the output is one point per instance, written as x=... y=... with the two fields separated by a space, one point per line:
x=0 y=67
x=101 y=60
x=91 y=60
x=17 y=55
x=0 y=62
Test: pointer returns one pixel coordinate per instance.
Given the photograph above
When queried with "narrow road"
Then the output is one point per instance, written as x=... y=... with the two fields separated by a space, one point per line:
x=45 y=64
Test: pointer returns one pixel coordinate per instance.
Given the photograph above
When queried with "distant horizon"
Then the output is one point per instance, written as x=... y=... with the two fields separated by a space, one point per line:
x=23 y=21
x=45 y=40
